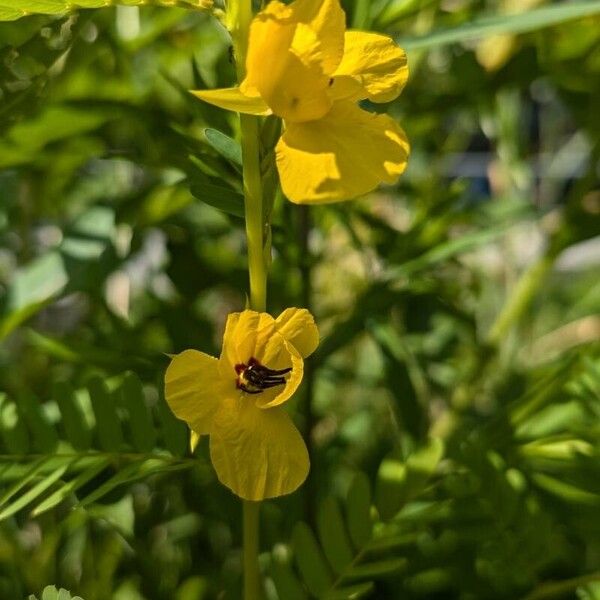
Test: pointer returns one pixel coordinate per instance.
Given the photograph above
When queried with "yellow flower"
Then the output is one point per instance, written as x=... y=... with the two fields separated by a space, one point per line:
x=255 y=448
x=303 y=66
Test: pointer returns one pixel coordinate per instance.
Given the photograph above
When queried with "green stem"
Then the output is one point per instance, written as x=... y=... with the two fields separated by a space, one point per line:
x=255 y=225
x=239 y=19
x=251 y=571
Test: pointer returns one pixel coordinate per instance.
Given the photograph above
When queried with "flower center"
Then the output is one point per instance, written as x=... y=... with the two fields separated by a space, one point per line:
x=254 y=378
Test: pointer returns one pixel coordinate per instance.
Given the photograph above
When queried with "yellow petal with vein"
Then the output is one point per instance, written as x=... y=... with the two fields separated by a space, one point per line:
x=193 y=389
x=244 y=331
x=258 y=454
x=298 y=327
x=285 y=65
x=233 y=99
x=344 y=155
x=376 y=64
x=327 y=19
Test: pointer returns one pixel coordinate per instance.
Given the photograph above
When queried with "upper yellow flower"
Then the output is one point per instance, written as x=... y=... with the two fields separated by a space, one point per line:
x=255 y=448
x=305 y=68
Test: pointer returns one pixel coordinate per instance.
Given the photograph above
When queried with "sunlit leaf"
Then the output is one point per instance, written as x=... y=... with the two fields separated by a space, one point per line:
x=15 y=9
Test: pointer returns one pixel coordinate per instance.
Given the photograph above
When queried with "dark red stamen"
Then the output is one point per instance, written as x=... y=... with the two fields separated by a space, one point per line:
x=254 y=378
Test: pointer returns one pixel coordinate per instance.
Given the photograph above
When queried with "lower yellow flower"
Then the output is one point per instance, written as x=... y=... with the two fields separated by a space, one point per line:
x=236 y=399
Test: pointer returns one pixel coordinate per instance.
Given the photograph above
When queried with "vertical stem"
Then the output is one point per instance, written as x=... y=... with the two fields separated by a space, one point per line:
x=305 y=265
x=255 y=226
x=305 y=262
x=240 y=17
x=251 y=572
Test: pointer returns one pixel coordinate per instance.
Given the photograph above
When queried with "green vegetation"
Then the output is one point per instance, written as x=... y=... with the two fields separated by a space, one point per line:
x=452 y=409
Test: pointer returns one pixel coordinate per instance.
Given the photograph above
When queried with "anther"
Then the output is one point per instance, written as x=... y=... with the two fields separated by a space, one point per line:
x=254 y=378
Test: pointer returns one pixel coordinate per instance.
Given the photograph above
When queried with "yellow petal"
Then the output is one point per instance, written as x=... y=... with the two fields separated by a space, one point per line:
x=228 y=358
x=233 y=99
x=345 y=154
x=375 y=63
x=193 y=389
x=298 y=327
x=285 y=65
x=258 y=454
x=327 y=19
x=240 y=338
x=277 y=353
x=346 y=87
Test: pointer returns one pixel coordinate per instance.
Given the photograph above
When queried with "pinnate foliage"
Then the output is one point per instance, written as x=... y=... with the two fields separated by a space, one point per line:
x=429 y=514
x=100 y=137
x=96 y=440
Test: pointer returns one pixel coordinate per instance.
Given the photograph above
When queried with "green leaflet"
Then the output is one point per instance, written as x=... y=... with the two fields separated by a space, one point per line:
x=43 y=435
x=74 y=424
x=52 y=593
x=282 y=572
x=133 y=472
x=39 y=488
x=224 y=145
x=566 y=491
x=212 y=190
x=400 y=481
x=218 y=196
x=379 y=568
x=358 y=511
x=11 y=10
x=35 y=469
x=110 y=435
x=71 y=486
x=140 y=423
x=333 y=535
x=310 y=560
x=353 y=592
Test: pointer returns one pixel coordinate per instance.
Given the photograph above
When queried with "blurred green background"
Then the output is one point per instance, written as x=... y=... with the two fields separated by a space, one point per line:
x=454 y=402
